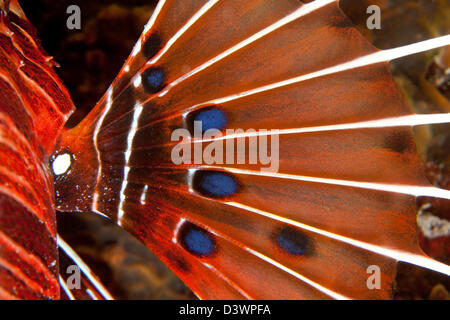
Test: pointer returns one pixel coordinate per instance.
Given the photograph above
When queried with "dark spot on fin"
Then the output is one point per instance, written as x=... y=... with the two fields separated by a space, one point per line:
x=399 y=141
x=211 y=118
x=293 y=241
x=341 y=21
x=215 y=184
x=153 y=79
x=179 y=262
x=152 y=46
x=196 y=240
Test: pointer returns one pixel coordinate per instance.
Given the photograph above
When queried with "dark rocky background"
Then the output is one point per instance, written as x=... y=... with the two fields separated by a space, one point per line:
x=90 y=59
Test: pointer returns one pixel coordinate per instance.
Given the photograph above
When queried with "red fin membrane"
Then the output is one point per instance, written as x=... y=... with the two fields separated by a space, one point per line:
x=309 y=231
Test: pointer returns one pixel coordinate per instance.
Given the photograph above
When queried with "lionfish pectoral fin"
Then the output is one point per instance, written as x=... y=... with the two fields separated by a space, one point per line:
x=342 y=196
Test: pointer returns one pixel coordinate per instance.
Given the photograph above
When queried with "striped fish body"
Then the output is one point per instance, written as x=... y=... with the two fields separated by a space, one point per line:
x=34 y=106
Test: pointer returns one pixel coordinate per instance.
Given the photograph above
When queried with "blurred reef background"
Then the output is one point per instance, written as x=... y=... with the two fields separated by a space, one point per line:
x=91 y=57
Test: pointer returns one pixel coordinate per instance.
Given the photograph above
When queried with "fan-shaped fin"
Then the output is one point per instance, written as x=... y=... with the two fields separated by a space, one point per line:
x=227 y=229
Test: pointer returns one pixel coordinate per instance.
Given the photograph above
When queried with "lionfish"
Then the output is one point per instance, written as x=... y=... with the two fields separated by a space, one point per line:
x=342 y=200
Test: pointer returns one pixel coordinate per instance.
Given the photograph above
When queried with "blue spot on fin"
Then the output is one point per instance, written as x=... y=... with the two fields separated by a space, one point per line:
x=212 y=118
x=153 y=79
x=197 y=240
x=215 y=184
